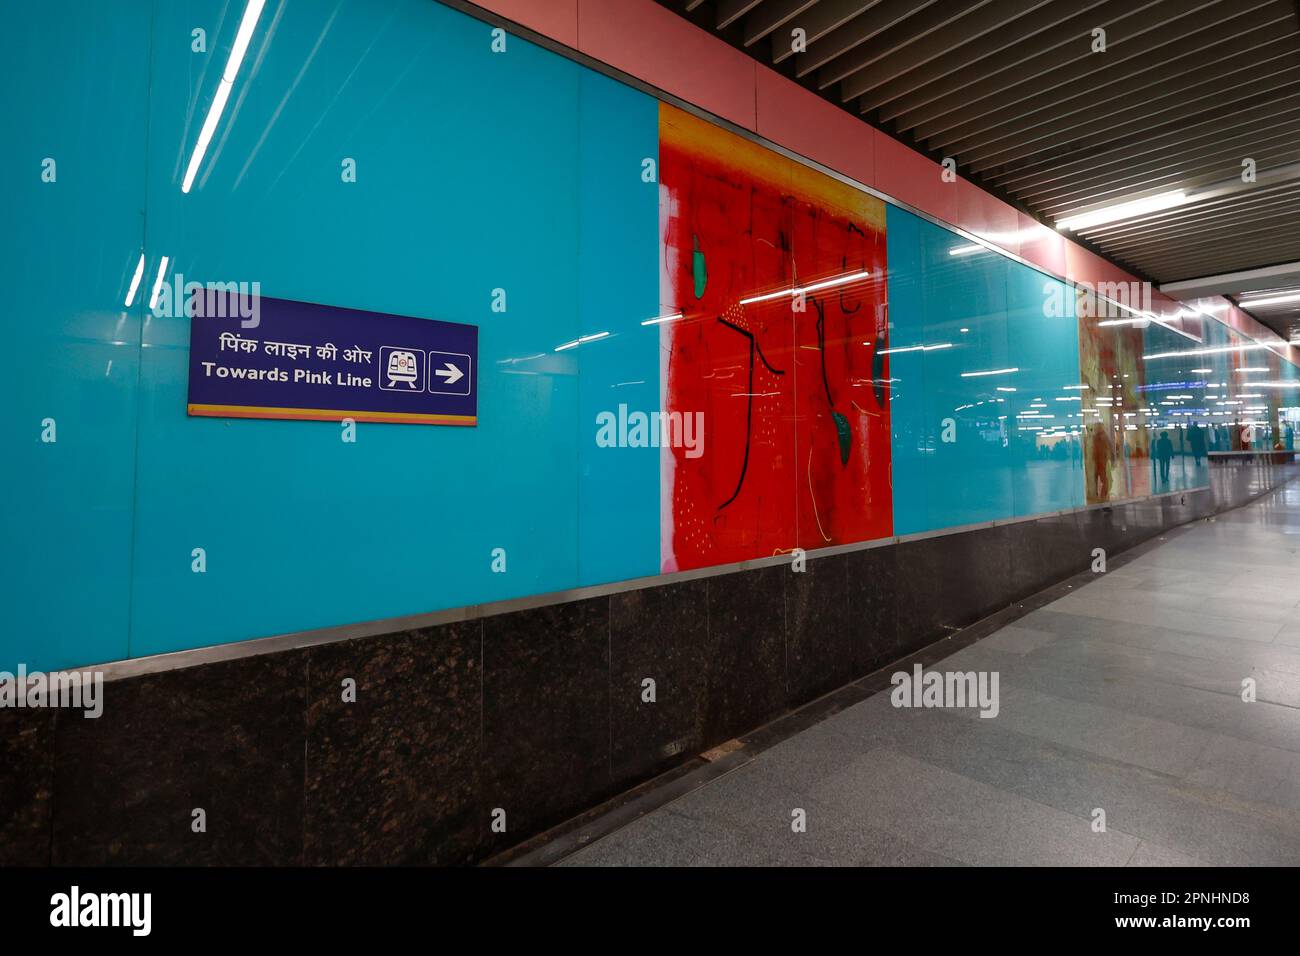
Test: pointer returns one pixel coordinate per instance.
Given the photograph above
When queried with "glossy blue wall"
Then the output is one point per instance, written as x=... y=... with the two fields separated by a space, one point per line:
x=461 y=189
x=995 y=364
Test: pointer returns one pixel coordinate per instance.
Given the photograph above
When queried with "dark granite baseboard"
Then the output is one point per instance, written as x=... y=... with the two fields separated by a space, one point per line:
x=465 y=739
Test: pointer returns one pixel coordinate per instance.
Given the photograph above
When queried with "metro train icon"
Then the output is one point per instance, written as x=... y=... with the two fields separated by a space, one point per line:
x=403 y=366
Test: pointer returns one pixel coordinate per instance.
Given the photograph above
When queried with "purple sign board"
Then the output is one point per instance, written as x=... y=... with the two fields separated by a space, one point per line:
x=297 y=360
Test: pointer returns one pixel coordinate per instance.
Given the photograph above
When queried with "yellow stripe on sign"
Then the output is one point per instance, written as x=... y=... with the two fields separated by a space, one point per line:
x=328 y=415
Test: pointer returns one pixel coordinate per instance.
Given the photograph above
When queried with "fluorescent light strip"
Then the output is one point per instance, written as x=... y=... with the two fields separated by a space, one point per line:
x=992 y=371
x=663 y=318
x=246 y=26
x=1124 y=210
x=815 y=287
x=1272 y=300
x=135 y=281
x=157 y=283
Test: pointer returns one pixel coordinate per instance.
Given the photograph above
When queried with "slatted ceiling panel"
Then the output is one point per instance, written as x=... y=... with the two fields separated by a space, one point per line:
x=976 y=22
x=1012 y=90
x=729 y=11
x=870 y=23
x=999 y=148
x=1285 y=318
x=993 y=100
x=820 y=21
x=1221 y=89
x=1233 y=211
x=1042 y=29
x=1209 y=152
x=1034 y=62
x=771 y=15
x=898 y=39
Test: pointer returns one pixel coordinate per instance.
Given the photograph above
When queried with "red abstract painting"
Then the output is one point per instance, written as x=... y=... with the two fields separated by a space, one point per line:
x=774 y=326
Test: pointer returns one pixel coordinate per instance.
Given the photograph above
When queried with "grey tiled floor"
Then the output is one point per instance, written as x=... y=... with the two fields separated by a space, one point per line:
x=1123 y=696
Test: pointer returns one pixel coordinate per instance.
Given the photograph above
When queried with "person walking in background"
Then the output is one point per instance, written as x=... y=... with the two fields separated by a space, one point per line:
x=1163 y=454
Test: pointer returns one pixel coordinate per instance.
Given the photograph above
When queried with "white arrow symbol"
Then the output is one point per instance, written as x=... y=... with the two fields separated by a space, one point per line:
x=450 y=372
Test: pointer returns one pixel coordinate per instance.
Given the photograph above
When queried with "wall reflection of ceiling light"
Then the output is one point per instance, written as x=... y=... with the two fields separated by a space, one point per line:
x=991 y=371
x=580 y=340
x=663 y=318
x=246 y=26
x=914 y=348
x=135 y=281
x=815 y=287
x=1211 y=351
x=1142 y=322
x=157 y=283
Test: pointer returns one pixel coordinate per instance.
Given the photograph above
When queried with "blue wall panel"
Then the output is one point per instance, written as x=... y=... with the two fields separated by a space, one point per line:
x=618 y=290
x=76 y=85
x=1044 y=411
x=455 y=196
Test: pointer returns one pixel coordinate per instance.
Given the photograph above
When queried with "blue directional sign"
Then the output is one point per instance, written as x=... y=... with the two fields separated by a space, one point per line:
x=257 y=357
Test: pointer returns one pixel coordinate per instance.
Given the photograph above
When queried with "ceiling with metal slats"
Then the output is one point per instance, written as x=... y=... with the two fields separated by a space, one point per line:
x=1183 y=94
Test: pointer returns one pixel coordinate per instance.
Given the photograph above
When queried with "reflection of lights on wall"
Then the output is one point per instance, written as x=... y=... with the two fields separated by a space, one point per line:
x=992 y=371
x=663 y=318
x=157 y=283
x=1210 y=351
x=914 y=348
x=815 y=287
x=236 y=59
x=135 y=281
x=580 y=340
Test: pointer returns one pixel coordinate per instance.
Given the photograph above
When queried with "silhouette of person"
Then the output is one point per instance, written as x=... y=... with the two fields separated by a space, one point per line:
x=1164 y=453
x=1101 y=460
